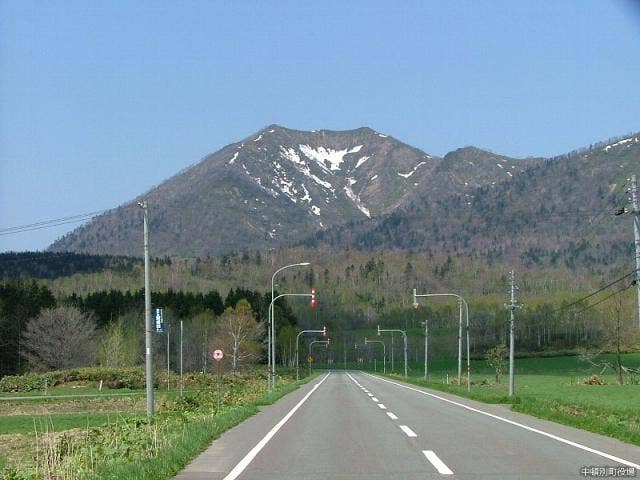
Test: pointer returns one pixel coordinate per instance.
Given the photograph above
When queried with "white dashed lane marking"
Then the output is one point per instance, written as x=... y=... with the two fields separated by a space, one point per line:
x=436 y=462
x=408 y=431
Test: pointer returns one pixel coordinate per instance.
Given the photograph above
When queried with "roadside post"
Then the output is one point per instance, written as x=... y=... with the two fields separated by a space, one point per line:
x=217 y=356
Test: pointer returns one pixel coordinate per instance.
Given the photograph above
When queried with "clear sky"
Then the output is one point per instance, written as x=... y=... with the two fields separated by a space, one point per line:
x=99 y=101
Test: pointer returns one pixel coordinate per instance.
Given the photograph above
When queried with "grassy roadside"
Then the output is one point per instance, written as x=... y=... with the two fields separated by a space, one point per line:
x=609 y=410
x=190 y=440
x=184 y=443
x=92 y=445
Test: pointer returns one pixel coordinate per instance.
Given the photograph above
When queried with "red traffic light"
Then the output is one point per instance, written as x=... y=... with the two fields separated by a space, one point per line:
x=313 y=303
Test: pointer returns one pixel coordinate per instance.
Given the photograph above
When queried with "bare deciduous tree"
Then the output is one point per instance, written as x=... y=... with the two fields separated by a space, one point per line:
x=238 y=332
x=60 y=338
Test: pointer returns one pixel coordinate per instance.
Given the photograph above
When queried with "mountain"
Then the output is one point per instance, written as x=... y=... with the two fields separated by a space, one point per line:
x=366 y=190
x=278 y=186
x=561 y=209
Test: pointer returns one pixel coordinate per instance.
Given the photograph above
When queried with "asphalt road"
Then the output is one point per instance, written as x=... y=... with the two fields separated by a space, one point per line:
x=357 y=426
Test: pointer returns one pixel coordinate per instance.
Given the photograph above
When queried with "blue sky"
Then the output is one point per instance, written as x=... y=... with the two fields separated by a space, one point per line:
x=99 y=101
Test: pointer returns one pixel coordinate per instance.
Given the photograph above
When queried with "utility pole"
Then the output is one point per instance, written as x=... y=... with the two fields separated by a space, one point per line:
x=181 y=381
x=344 y=352
x=636 y=232
x=512 y=330
x=426 y=347
x=392 y=349
x=147 y=312
x=460 y=345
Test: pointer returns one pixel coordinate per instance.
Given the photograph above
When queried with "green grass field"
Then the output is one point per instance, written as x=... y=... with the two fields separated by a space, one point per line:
x=10 y=424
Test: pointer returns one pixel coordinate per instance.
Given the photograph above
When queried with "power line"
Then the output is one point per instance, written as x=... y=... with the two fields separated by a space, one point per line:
x=597 y=221
x=605 y=298
x=50 y=223
x=595 y=293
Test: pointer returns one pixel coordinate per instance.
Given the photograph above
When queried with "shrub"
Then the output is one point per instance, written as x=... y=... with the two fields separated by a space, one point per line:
x=594 y=380
x=28 y=382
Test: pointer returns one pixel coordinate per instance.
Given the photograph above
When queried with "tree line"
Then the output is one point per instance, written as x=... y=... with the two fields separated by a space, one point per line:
x=115 y=318
x=559 y=324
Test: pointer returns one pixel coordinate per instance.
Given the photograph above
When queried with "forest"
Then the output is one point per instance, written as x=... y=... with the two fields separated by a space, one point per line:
x=357 y=292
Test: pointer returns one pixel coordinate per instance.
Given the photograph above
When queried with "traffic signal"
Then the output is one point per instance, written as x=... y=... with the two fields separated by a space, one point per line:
x=324 y=331
x=313 y=303
x=415 y=299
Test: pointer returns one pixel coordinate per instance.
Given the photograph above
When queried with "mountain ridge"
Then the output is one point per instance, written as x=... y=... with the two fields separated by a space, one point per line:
x=280 y=187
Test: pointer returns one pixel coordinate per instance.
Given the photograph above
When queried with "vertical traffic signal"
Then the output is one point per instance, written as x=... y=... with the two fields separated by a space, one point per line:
x=324 y=331
x=313 y=303
x=415 y=299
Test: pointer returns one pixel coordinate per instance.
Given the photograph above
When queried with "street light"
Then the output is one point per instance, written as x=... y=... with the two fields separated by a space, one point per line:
x=325 y=342
x=384 y=352
x=323 y=332
x=462 y=302
x=273 y=339
x=271 y=326
x=404 y=336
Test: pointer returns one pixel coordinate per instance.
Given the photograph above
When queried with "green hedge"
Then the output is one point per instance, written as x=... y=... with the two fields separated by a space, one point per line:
x=128 y=377
x=132 y=377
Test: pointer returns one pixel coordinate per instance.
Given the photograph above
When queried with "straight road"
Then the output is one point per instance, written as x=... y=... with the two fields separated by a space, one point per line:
x=352 y=425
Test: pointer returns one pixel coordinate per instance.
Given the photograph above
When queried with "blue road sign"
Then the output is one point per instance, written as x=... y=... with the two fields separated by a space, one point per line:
x=158 y=319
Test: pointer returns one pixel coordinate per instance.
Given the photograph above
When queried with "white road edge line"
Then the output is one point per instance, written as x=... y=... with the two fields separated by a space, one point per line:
x=375 y=399
x=248 y=458
x=436 y=462
x=392 y=416
x=408 y=431
x=381 y=405
x=511 y=422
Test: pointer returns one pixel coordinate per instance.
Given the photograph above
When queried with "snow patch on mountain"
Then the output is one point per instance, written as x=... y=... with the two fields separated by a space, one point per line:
x=322 y=155
x=291 y=155
x=374 y=177
x=407 y=175
x=315 y=210
x=621 y=142
x=362 y=160
x=233 y=159
x=306 y=197
x=259 y=138
x=356 y=199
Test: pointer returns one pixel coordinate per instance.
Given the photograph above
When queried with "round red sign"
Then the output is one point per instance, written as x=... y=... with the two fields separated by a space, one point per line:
x=217 y=355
